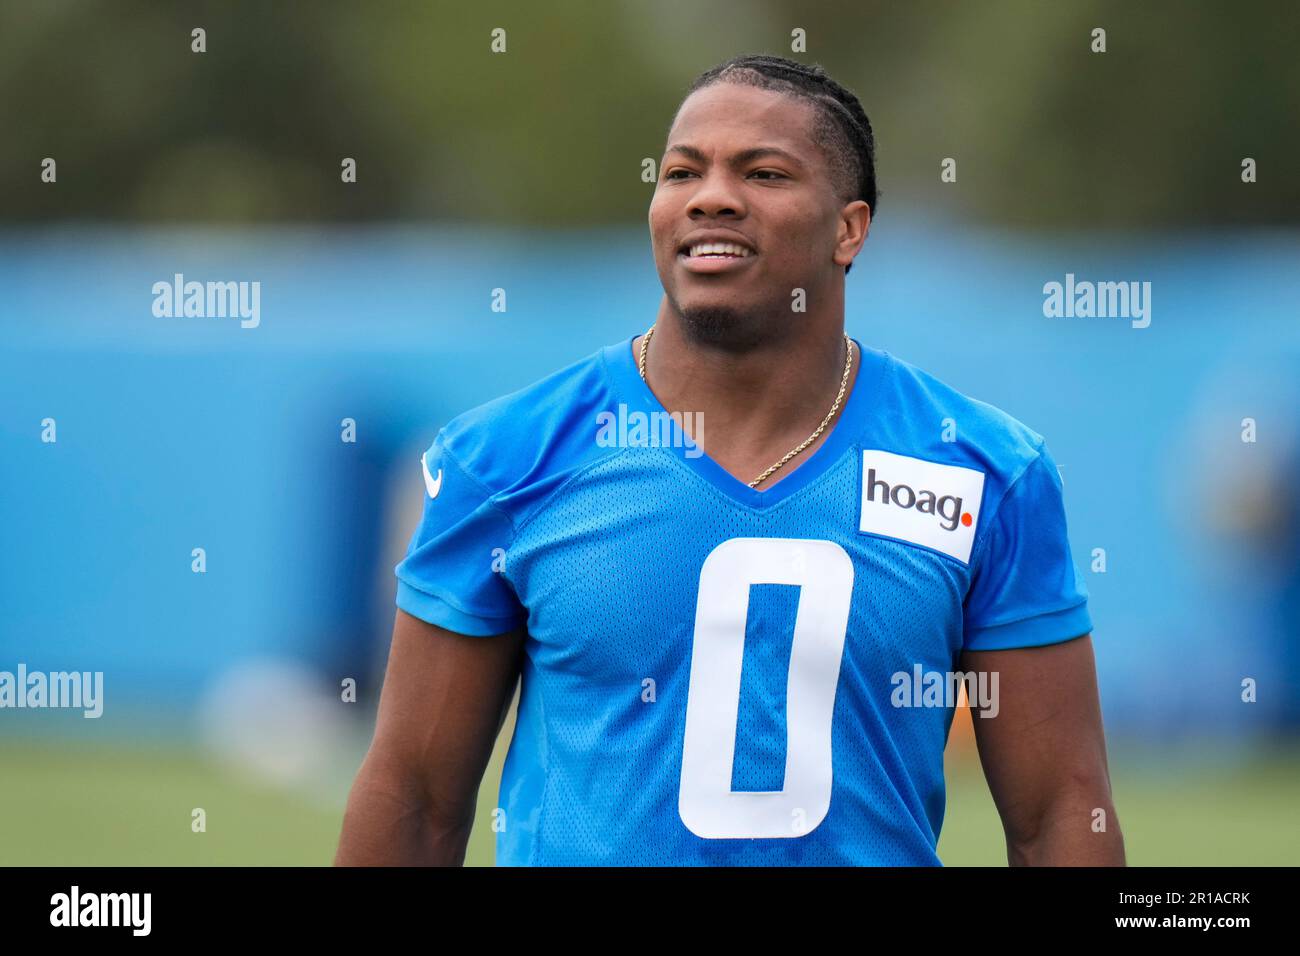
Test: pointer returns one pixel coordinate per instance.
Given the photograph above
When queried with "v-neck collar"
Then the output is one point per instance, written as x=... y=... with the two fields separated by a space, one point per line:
x=632 y=390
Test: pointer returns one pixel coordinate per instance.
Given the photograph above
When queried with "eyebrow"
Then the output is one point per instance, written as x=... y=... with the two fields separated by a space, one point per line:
x=739 y=159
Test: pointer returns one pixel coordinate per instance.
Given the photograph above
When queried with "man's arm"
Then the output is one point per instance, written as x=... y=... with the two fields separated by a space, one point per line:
x=444 y=700
x=1044 y=755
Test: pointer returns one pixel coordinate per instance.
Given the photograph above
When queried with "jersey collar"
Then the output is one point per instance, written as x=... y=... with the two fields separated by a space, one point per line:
x=630 y=389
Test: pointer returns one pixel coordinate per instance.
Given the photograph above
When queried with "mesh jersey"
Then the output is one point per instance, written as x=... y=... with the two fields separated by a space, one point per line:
x=711 y=672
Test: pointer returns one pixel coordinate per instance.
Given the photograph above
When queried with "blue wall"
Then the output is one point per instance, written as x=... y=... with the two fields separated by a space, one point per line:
x=175 y=433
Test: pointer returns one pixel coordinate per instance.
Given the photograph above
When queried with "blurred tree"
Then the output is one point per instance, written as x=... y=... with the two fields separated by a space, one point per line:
x=1045 y=132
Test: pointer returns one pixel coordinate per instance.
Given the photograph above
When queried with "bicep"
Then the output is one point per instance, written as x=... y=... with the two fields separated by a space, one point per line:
x=443 y=702
x=1046 y=743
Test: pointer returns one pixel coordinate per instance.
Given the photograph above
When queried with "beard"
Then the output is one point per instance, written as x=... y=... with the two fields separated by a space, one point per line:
x=725 y=327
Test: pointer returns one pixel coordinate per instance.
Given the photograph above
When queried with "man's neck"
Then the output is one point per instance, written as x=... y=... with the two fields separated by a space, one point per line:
x=757 y=404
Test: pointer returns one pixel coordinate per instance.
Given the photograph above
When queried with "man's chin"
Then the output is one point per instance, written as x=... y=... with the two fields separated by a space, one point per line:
x=724 y=326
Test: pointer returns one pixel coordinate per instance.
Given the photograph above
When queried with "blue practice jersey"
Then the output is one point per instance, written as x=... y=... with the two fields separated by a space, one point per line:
x=716 y=675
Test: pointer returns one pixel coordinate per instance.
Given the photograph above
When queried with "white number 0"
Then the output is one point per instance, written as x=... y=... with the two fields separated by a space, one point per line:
x=824 y=573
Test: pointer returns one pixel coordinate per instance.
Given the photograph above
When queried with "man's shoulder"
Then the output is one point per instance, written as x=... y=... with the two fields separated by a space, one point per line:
x=988 y=438
x=535 y=434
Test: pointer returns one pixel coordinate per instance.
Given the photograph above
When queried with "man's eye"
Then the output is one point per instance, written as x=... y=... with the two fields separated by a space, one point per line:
x=768 y=173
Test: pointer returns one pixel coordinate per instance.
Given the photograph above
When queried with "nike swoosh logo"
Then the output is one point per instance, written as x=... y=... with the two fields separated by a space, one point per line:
x=434 y=485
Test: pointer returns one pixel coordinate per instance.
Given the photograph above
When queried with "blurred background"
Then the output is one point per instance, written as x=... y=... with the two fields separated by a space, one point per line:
x=521 y=170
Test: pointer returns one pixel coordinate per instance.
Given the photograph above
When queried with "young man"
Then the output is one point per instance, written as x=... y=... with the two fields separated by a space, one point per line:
x=718 y=639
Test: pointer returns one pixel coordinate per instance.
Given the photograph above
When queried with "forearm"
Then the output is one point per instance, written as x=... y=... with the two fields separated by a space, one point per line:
x=392 y=823
x=1069 y=833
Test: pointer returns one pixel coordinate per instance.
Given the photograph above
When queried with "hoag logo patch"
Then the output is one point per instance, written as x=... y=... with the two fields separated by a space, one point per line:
x=920 y=501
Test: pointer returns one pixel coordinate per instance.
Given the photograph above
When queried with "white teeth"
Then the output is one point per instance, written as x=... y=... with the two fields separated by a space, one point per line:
x=718 y=249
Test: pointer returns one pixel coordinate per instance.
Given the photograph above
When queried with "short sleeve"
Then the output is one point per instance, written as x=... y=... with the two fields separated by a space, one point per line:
x=1026 y=590
x=453 y=572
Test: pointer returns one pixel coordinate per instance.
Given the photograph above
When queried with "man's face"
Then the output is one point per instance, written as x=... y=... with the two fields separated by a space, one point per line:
x=741 y=164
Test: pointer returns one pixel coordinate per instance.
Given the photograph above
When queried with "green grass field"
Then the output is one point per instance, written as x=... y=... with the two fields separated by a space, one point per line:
x=66 y=805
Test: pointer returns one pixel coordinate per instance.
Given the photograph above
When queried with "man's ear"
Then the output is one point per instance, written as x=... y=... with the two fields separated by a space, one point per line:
x=855 y=223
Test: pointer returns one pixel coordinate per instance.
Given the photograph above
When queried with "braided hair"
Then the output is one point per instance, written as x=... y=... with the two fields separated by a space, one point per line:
x=841 y=128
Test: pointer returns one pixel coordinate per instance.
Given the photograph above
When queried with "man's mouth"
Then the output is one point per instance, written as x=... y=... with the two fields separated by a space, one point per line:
x=713 y=258
x=716 y=250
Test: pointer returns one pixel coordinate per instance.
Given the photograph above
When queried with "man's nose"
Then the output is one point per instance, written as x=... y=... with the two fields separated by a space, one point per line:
x=717 y=195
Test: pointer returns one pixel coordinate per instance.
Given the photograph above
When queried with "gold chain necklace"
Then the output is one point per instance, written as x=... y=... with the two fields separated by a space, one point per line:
x=848 y=365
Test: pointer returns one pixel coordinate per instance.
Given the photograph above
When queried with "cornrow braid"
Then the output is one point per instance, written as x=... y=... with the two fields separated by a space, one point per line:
x=841 y=128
